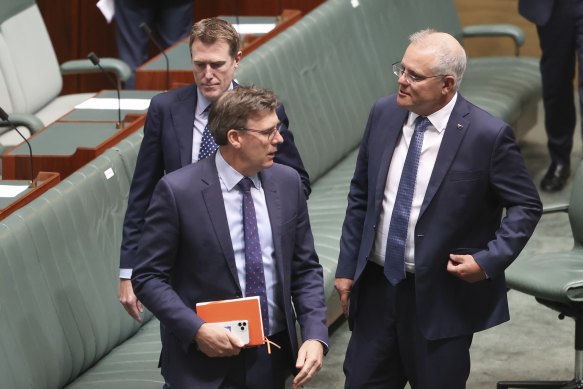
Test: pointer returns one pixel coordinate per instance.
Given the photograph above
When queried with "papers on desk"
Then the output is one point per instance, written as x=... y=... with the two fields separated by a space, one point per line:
x=254 y=28
x=110 y=103
x=107 y=9
x=9 y=191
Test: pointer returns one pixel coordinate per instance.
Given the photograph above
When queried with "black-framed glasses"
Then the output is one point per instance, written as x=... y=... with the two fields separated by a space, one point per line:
x=411 y=78
x=269 y=133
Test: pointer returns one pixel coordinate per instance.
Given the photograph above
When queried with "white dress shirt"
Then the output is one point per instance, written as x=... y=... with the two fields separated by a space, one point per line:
x=431 y=143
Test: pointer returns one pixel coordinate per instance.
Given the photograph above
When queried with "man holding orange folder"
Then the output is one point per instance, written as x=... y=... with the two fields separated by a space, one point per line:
x=231 y=226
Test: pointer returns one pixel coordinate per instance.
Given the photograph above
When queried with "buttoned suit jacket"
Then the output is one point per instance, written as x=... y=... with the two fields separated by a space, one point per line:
x=186 y=257
x=167 y=146
x=478 y=173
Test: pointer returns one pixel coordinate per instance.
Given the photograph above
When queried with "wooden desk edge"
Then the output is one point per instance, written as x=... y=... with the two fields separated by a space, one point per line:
x=44 y=182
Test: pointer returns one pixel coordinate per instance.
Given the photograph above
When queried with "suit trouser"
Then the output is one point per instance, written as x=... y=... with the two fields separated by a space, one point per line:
x=254 y=368
x=170 y=20
x=387 y=349
x=561 y=42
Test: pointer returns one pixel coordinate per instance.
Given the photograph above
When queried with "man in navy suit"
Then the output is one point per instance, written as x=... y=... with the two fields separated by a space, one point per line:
x=559 y=24
x=416 y=285
x=193 y=249
x=175 y=131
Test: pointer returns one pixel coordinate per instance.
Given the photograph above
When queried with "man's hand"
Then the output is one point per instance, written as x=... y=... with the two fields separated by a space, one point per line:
x=465 y=267
x=343 y=287
x=309 y=362
x=216 y=341
x=128 y=299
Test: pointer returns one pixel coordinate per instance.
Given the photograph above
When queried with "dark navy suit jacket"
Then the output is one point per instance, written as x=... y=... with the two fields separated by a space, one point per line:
x=186 y=257
x=167 y=146
x=478 y=173
x=537 y=11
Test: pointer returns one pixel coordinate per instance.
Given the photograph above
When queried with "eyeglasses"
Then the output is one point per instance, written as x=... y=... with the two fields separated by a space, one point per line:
x=269 y=133
x=411 y=78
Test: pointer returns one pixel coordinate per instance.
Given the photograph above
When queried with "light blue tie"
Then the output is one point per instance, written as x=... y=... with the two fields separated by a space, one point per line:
x=208 y=144
x=395 y=254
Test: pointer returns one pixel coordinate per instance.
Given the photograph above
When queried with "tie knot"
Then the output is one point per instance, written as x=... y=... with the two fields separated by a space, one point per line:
x=421 y=123
x=245 y=184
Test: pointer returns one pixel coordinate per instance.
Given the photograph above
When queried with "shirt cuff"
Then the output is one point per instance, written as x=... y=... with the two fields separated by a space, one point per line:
x=125 y=273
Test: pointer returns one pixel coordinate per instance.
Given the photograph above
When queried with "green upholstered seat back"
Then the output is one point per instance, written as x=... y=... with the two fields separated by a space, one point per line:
x=27 y=58
x=59 y=257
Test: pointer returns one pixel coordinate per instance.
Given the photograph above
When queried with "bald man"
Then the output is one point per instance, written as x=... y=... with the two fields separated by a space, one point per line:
x=424 y=245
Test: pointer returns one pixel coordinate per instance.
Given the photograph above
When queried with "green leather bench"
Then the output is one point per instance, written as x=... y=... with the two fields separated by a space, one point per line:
x=59 y=266
x=330 y=67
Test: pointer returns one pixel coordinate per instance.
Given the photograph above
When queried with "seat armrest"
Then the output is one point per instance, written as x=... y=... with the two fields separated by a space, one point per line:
x=22 y=119
x=487 y=30
x=555 y=208
x=113 y=65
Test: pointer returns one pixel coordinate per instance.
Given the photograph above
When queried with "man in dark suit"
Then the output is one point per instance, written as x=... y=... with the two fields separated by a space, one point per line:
x=424 y=246
x=194 y=248
x=175 y=135
x=560 y=31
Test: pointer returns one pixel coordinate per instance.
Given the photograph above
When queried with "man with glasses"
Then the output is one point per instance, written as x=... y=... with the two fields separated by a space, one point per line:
x=206 y=224
x=175 y=135
x=424 y=246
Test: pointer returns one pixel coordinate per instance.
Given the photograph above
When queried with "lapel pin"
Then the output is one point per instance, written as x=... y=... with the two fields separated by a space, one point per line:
x=459 y=126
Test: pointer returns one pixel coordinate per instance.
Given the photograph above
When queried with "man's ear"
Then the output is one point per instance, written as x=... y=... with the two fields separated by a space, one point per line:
x=234 y=138
x=448 y=83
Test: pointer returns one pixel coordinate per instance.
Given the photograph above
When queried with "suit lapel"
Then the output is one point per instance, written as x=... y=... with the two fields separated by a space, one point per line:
x=389 y=135
x=456 y=128
x=272 y=200
x=215 y=206
x=183 y=122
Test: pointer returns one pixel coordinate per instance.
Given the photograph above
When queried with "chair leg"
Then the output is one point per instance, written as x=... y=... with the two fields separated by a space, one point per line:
x=576 y=383
x=538 y=385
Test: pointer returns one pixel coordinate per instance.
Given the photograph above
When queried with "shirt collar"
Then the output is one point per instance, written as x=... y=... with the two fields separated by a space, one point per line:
x=229 y=176
x=202 y=103
x=439 y=118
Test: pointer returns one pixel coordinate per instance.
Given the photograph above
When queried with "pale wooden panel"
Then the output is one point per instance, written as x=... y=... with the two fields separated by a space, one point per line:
x=496 y=11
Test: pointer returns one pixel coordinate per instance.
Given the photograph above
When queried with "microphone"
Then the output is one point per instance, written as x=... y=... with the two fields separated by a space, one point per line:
x=144 y=26
x=95 y=61
x=4 y=117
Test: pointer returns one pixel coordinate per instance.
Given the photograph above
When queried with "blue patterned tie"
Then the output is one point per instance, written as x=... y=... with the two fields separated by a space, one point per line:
x=208 y=144
x=395 y=254
x=254 y=276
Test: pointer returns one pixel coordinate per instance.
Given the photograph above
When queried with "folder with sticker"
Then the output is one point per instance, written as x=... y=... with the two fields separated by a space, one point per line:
x=245 y=308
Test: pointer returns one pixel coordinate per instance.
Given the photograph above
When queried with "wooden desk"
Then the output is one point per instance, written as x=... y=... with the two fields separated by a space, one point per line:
x=64 y=147
x=75 y=139
x=152 y=74
x=44 y=181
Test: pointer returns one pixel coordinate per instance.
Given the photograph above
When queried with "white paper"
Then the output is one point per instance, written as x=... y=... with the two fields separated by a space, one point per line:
x=12 y=190
x=254 y=28
x=111 y=103
x=107 y=9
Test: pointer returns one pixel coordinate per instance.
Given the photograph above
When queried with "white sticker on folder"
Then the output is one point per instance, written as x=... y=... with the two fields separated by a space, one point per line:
x=109 y=173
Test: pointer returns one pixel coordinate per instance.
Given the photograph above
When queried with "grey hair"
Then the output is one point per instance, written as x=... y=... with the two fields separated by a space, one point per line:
x=448 y=61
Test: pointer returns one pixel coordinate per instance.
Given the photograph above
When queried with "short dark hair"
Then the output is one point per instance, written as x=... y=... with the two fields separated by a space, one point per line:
x=210 y=30
x=233 y=109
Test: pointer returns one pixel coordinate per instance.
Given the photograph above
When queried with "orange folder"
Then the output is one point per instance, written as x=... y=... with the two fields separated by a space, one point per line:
x=246 y=308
